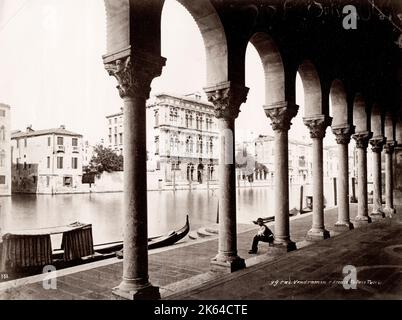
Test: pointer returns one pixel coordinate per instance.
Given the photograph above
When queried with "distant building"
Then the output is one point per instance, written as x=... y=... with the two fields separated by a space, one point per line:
x=182 y=139
x=300 y=160
x=5 y=150
x=46 y=161
x=87 y=153
x=185 y=137
x=115 y=130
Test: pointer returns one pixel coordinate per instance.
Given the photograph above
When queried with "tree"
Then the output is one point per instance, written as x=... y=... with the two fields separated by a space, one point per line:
x=105 y=159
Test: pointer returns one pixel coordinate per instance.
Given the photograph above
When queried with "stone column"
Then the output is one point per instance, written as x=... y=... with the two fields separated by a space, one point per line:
x=134 y=74
x=377 y=144
x=227 y=99
x=362 y=140
x=389 y=183
x=317 y=125
x=281 y=116
x=343 y=135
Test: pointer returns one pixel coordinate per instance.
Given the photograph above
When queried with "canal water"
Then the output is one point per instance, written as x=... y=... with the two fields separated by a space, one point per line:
x=166 y=210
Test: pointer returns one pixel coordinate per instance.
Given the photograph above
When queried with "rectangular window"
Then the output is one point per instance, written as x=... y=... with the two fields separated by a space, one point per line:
x=25 y=142
x=49 y=141
x=48 y=162
x=74 y=163
x=115 y=120
x=110 y=121
x=60 y=141
x=18 y=143
x=2 y=113
x=110 y=139
x=47 y=181
x=2 y=179
x=59 y=162
x=75 y=142
x=115 y=139
x=67 y=181
x=121 y=138
x=115 y=129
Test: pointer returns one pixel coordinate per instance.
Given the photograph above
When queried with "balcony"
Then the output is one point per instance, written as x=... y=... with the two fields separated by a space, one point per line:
x=76 y=149
x=60 y=149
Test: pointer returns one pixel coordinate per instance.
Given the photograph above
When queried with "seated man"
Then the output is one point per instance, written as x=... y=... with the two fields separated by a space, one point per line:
x=264 y=234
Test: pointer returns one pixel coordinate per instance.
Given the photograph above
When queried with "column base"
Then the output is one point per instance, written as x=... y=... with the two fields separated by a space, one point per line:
x=390 y=211
x=377 y=215
x=148 y=292
x=362 y=221
x=317 y=235
x=281 y=247
x=343 y=226
x=232 y=264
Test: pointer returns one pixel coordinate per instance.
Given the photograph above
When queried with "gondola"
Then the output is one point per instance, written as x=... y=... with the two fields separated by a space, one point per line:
x=153 y=243
x=26 y=252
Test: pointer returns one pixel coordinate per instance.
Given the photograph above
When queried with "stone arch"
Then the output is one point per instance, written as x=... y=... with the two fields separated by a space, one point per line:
x=339 y=103
x=312 y=89
x=360 y=116
x=273 y=67
x=124 y=17
x=375 y=120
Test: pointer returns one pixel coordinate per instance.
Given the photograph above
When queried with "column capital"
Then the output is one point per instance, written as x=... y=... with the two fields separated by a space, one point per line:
x=390 y=147
x=134 y=72
x=227 y=98
x=362 y=139
x=317 y=125
x=343 y=133
x=281 y=115
x=377 y=143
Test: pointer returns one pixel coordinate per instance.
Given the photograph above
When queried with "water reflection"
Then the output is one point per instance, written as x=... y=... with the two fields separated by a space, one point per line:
x=166 y=210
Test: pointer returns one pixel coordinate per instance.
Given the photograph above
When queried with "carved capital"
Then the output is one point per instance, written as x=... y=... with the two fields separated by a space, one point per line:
x=390 y=147
x=134 y=74
x=343 y=133
x=362 y=139
x=377 y=143
x=227 y=99
x=317 y=125
x=281 y=115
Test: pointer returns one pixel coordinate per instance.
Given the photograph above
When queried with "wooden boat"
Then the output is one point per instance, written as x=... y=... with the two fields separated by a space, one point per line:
x=29 y=250
x=155 y=242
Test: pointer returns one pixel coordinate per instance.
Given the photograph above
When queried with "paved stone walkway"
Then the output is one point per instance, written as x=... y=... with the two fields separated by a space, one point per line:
x=179 y=267
x=316 y=271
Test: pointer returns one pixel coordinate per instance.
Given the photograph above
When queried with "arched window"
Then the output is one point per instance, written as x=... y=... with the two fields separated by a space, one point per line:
x=156 y=118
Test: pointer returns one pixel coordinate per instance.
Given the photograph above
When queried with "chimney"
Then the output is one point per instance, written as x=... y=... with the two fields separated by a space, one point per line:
x=29 y=128
x=63 y=127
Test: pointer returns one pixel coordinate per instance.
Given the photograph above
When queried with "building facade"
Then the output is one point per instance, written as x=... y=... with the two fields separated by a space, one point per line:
x=300 y=161
x=185 y=139
x=46 y=161
x=114 y=138
x=5 y=150
x=182 y=139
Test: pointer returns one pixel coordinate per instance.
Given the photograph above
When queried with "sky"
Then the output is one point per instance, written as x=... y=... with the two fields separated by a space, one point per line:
x=52 y=72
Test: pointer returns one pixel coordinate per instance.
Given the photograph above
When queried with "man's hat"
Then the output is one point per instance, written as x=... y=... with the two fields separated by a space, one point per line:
x=258 y=221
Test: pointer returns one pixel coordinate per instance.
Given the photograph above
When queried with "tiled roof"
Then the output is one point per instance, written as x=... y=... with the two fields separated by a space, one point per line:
x=57 y=131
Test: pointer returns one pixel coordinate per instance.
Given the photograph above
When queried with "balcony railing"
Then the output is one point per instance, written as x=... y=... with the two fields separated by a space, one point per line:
x=60 y=149
x=76 y=150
